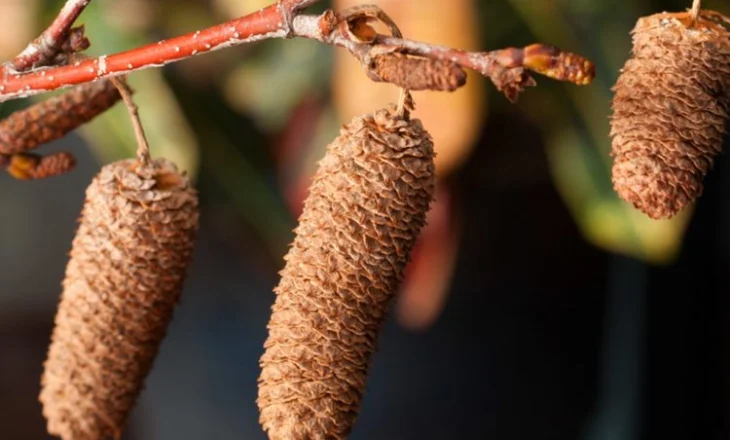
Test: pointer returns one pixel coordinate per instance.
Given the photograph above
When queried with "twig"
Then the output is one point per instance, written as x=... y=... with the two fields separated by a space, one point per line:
x=51 y=42
x=266 y=23
x=143 y=147
x=506 y=68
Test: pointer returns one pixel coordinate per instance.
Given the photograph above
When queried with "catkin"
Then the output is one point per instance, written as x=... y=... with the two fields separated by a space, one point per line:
x=29 y=166
x=127 y=266
x=416 y=73
x=55 y=117
x=670 y=111
x=367 y=204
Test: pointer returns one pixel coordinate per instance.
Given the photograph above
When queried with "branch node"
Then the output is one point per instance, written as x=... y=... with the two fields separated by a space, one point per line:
x=287 y=17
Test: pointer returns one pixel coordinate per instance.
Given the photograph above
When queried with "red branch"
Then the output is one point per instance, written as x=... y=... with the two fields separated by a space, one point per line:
x=266 y=23
x=506 y=68
x=44 y=48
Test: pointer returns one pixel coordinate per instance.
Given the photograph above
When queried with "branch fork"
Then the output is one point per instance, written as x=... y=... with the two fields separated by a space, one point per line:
x=50 y=61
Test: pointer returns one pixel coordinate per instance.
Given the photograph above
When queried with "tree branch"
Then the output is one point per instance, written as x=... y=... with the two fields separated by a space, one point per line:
x=51 y=42
x=54 y=118
x=507 y=68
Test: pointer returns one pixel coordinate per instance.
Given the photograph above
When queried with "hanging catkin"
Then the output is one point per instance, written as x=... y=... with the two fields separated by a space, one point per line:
x=366 y=206
x=123 y=280
x=670 y=108
x=55 y=117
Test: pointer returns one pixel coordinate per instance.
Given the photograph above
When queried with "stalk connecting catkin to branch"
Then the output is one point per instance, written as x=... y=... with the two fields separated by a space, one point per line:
x=366 y=207
x=670 y=111
x=127 y=266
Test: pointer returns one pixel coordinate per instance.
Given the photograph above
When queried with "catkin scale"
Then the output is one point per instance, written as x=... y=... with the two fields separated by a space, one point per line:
x=367 y=204
x=670 y=111
x=124 y=277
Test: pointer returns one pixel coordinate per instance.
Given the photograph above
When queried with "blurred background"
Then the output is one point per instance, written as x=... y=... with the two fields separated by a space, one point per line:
x=538 y=305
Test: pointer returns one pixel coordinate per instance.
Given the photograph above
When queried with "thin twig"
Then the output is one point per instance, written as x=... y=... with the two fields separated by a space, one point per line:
x=506 y=67
x=43 y=49
x=143 y=147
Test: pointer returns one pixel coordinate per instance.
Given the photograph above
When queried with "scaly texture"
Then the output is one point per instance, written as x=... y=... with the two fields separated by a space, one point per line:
x=416 y=73
x=56 y=117
x=670 y=110
x=366 y=207
x=123 y=280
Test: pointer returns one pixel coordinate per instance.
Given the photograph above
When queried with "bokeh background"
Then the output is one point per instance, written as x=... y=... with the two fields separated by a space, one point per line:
x=538 y=305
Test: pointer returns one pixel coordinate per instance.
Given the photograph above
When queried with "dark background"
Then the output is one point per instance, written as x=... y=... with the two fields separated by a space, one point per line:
x=563 y=315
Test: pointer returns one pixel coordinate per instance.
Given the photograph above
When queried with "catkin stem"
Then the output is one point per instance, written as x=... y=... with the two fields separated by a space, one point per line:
x=405 y=101
x=143 y=147
x=405 y=104
x=695 y=11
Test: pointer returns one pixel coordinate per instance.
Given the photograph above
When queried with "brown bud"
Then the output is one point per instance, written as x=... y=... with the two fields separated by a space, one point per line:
x=366 y=206
x=416 y=73
x=123 y=280
x=28 y=166
x=56 y=117
x=669 y=112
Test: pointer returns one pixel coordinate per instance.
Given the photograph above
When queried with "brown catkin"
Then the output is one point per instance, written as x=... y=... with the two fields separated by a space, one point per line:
x=417 y=73
x=367 y=204
x=55 y=117
x=123 y=280
x=670 y=110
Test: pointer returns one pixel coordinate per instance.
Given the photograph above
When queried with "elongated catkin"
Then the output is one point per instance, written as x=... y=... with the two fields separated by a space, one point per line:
x=127 y=266
x=366 y=207
x=55 y=117
x=670 y=111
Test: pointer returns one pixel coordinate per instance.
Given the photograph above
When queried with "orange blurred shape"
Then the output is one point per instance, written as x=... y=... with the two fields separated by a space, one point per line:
x=428 y=277
x=237 y=8
x=19 y=25
x=453 y=119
